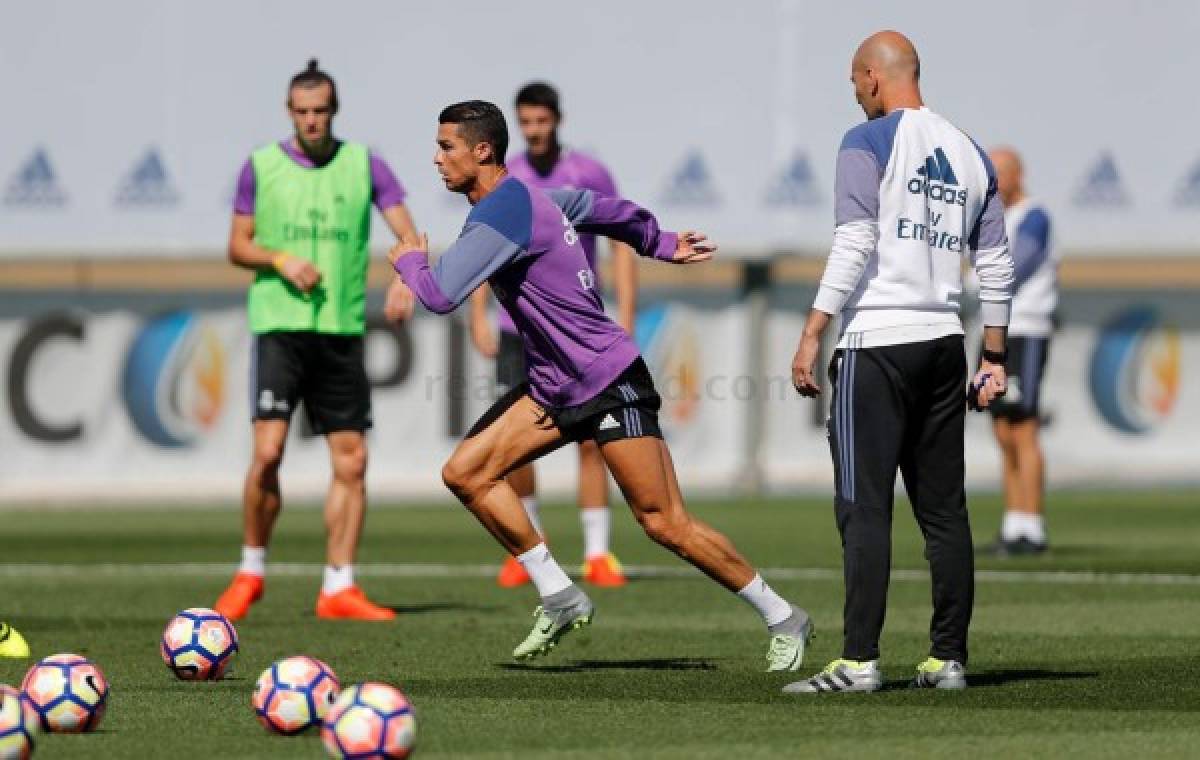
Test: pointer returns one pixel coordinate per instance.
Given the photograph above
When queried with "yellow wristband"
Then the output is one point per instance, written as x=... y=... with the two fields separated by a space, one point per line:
x=279 y=261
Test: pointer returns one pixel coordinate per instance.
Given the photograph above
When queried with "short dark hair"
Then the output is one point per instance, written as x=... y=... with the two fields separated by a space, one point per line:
x=479 y=121
x=539 y=94
x=313 y=76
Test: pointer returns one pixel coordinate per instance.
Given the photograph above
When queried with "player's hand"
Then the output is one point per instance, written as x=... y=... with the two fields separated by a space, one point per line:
x=299 y=272
x=804 y=364
x=400 y=302
x=693 y=248
x=408 y=244
x=989 y=384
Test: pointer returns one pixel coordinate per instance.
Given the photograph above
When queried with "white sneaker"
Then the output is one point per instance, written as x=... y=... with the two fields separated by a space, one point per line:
x=940 y=674
x=841 y=675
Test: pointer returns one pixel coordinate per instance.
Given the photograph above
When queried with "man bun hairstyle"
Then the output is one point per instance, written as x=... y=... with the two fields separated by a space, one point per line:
x=539 y=94
x=313 y=76
x=479 y=121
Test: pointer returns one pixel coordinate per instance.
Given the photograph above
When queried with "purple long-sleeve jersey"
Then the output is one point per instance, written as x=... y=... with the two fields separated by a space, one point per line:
x=525 y=243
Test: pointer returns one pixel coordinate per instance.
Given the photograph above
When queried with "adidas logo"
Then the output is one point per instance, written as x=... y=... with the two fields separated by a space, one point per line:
x=691 y=184
x=147 y=185
x=937 y=168
x=795 y=185
x=35 y=184
x=1188 y=193
x=609 y=422
x=1102 y=187
x=936 y=180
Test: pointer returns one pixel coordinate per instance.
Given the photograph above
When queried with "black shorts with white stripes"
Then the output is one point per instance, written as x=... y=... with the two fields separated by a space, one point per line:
x=627 y=408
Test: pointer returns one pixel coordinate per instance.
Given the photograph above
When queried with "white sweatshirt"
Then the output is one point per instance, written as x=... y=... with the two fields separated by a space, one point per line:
x=913 y=194
x=1035 y=261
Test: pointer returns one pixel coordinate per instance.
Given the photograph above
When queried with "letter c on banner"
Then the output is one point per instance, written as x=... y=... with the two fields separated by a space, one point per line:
x=61 y=325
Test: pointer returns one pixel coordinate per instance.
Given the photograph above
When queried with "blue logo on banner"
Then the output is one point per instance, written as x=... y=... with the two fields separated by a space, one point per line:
x=174 y=380
x=1188 y=193
x=147 y=185
x=691 y=184
x=1102 y=186
x=1136 y=371
x=35 y=184
x=794 y=185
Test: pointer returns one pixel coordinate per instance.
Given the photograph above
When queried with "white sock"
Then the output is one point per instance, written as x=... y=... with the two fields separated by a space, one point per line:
x=531 y=508
x=1010 y=529
x=254 y=560
x=1034 y=528
x=773 y=607
x=597 y=522
x=337 y=579
x=544 y=570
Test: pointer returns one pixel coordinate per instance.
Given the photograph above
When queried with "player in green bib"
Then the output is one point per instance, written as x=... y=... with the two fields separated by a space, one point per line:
x=301 y=221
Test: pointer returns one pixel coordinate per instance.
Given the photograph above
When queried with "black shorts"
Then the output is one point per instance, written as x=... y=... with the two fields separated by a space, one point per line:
x=627 y=408
x=326 y=372
x=1025 y=366
x=510 y=361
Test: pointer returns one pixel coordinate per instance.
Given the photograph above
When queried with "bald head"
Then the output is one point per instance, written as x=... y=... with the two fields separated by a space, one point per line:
x=885 y=71
x=1010 y=174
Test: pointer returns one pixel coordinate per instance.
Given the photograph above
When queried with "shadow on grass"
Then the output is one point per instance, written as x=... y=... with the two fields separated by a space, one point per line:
x=580 y=666
x=418 y=609
x=1004 y=677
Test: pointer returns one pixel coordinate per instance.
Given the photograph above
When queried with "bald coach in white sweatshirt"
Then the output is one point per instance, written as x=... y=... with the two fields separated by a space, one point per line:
x=914 y=194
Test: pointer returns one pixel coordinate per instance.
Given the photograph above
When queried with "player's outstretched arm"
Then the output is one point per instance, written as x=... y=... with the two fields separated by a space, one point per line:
x=629 y=223
x=478 y=253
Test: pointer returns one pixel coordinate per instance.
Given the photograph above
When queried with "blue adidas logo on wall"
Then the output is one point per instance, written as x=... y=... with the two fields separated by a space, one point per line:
x=35 y=185
x=691 y=184
x=937 y=168
x=147 y=185
x=1188 y=194
x=794 y=185
x=1102 y=186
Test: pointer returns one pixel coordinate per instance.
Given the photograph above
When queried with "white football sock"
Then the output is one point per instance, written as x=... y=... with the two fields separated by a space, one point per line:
x=773 y=607
x=1034 y=528
x=1011 y=528
x=337 y=579
x=254 y=560
x=531 y=508
x=597 y=523
x=544 y=570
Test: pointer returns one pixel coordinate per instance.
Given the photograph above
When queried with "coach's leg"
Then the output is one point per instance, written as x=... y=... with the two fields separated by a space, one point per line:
x=261 y=498
x=869 y=412
x=346 y=502
x=934 y=472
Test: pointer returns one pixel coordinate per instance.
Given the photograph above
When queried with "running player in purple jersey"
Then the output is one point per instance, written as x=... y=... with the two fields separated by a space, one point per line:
x=548 y=165
x=586 y=379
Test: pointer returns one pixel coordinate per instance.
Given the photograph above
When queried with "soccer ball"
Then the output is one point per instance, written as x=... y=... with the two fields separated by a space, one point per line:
x=294 y=694
x=68 y=693
x=370 y=721
x=18 y=721
x=199 y=644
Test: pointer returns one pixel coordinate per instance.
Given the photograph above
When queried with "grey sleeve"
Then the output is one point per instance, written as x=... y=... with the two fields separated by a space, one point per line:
x=479 y=252
x=856 y=187
x=989 y=228
x=575 y=204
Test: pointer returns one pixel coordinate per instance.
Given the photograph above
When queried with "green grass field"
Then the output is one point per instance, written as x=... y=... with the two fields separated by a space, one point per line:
x=1091 y=651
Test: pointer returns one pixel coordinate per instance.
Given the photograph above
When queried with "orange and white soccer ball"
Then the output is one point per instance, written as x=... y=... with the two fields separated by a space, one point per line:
x=370 y=721
x=294 y=695
x=18 y=723
x=199 y=644
x=68 y=693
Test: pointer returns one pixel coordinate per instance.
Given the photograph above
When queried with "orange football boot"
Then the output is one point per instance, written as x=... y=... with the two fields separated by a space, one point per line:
x=512 y=574
x=351 y=604
x=245 y=590
x=604 y=570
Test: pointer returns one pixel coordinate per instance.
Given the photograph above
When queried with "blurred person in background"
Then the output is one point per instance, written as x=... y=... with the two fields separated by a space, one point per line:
x=549 y=165
x=1015 y=417
x=301 y=221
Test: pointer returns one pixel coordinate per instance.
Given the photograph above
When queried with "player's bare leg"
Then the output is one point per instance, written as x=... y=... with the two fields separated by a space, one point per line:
x=600 y=566
x=516 y=431
x=524 y=481
x=261 y=503
x=1023 y=529
x=645 y=472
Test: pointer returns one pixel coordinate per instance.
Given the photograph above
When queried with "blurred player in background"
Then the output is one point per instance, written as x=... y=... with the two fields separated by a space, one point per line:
x=551 y=166
x=1015 y=417
x=586 y=379
x=301 y=221
x=913 y=193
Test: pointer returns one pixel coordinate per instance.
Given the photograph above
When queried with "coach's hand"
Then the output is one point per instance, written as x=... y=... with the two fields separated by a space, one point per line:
x=400 y=302
x=804 y=376
x=299 y=272
x=989 y=384
x=693 y=248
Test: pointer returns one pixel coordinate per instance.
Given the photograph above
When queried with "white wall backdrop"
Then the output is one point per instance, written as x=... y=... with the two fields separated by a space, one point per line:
x=126 y=121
